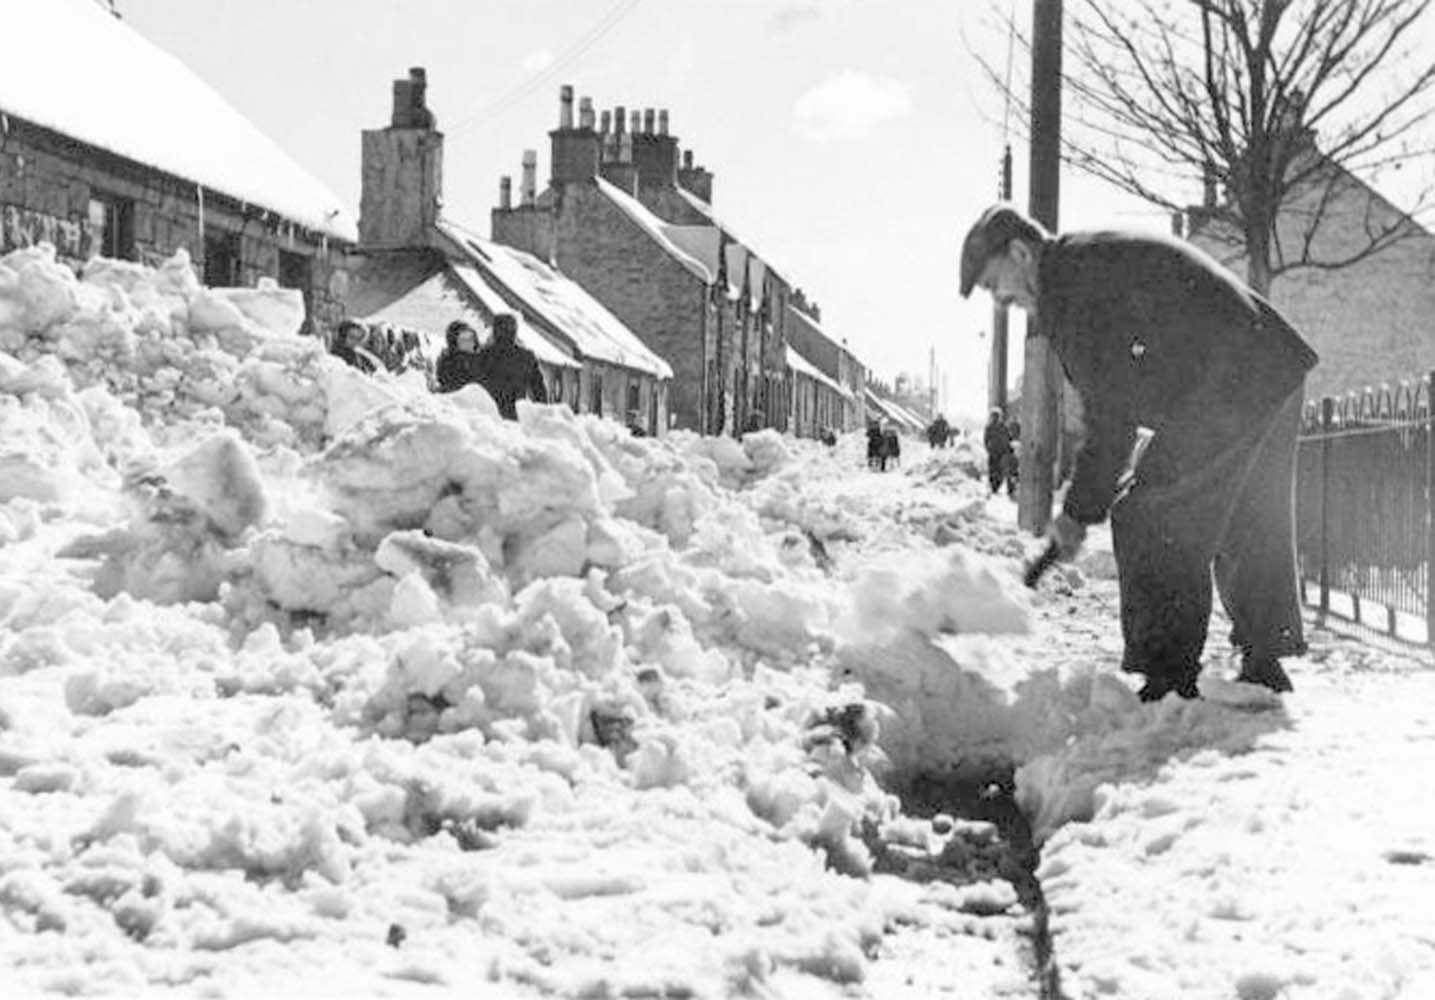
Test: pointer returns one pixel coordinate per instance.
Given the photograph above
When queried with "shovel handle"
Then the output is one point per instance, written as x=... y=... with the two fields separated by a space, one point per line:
x=1037 y=568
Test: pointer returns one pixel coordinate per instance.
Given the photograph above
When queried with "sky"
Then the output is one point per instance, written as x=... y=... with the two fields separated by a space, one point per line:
x=852 y=141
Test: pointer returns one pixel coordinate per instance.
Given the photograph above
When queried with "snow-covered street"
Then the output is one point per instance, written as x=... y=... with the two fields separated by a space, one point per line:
x=313 y=684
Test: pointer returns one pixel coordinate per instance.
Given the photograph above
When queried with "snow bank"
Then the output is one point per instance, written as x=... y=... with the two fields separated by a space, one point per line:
x=295 y=655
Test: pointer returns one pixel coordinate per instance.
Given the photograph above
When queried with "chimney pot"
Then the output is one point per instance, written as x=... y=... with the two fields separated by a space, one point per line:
x=663 y=121
x=649 y=117
x=505 y=193
x=565 y=106
x=530 y=176
x=605 y=122
x=585 y=112
x=636 y=123
x=687 y=159
x=620 y=118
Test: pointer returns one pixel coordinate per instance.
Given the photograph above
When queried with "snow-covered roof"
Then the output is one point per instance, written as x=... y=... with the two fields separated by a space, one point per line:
x=594 y=331
x=74 y=68
x=659 y=230
x=892 y=411
x=425 y=296
x=802 y=366
x=493 y=303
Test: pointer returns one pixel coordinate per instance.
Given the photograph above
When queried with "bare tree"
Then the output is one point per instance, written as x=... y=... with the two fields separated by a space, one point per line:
x=1276 y=106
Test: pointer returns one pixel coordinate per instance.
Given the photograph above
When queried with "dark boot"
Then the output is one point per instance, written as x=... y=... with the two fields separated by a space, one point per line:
x=1160 y=686
x=1265 y=671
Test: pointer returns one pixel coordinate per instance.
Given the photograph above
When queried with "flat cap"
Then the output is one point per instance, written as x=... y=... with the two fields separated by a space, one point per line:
x=989 y=236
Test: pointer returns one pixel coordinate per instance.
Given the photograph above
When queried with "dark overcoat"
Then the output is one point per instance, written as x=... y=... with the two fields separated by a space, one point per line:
x=1154 y=333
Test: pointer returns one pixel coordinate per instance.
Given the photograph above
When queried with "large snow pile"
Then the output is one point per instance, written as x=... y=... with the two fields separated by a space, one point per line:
x=309 y=674
x=296 y=656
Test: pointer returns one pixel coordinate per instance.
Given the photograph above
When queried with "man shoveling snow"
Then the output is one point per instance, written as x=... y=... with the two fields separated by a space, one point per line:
x=1154 y=334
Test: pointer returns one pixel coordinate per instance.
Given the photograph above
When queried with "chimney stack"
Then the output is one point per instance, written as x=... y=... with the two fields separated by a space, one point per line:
x=565 y=106
x=505 y=193
x=620 y=118
x=402 y=172
x=637 y=122
x=655 y=153
x=573 y=152
x=695 y=179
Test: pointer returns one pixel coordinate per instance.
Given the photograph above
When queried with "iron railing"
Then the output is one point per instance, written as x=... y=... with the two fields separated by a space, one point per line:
x=1365 y=479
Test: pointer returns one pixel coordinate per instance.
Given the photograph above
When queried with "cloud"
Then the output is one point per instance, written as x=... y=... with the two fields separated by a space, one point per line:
x=795 y=15
x=849 y=105
x=537 y=61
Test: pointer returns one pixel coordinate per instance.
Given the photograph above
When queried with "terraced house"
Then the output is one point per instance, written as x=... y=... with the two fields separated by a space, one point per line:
x=628 y=220
x=420 y=271
x=99 y=170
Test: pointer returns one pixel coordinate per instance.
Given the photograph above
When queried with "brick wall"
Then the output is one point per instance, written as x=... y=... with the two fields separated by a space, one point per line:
x=1371 y=322
x=47 y=182
x=657 y=298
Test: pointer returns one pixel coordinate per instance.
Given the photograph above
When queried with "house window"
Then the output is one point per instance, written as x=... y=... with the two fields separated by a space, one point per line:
x=221 y=259
x=597 y=394
x=296 y=270
x=112 y=226
x=635 y=405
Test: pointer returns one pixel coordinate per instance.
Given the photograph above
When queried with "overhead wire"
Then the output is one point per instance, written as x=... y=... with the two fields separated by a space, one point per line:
x=592 y=37
x=1006 y=84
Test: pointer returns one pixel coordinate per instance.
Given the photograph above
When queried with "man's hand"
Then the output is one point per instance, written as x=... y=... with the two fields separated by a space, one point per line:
x=1067 y=534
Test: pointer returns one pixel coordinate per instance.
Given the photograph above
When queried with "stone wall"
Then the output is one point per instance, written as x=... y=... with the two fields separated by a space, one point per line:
x=47 y=182
x=651 y=293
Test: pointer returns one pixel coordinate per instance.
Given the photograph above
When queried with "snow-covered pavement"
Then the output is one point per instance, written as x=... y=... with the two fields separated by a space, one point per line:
x=316 y=685
x=1303 y=868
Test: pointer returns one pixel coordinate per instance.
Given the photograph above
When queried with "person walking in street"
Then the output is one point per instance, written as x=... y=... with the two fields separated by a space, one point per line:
x=457 y=364
x=997 y=441
x=1155 y=334
x=891 y=447
x=509 y=371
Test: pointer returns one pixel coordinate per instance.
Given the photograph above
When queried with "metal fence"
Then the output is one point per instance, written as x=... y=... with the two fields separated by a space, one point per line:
x=1365 y=479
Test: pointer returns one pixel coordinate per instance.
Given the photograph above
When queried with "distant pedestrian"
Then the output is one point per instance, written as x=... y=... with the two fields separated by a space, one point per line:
x=1154 y=333
x=457 y=364
x=1000 y=454
x=348 y=346
x=509 y=371
x=891 y=448
x=874 y=445
x=938 y=431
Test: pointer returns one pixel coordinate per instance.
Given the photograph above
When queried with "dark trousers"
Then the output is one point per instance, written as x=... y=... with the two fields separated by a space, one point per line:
x=999 y=469
x=1217 y=497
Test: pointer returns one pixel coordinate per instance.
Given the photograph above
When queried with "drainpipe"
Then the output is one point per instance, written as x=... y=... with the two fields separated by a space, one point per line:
x=199 y=197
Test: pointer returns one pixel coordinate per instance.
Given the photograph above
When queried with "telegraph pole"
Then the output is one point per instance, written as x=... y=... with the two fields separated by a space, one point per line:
x=1041 y=383
x=997 y=376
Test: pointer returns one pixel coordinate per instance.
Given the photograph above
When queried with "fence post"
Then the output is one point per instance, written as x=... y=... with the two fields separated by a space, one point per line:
x=1429 y=507
x=1327 y=421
